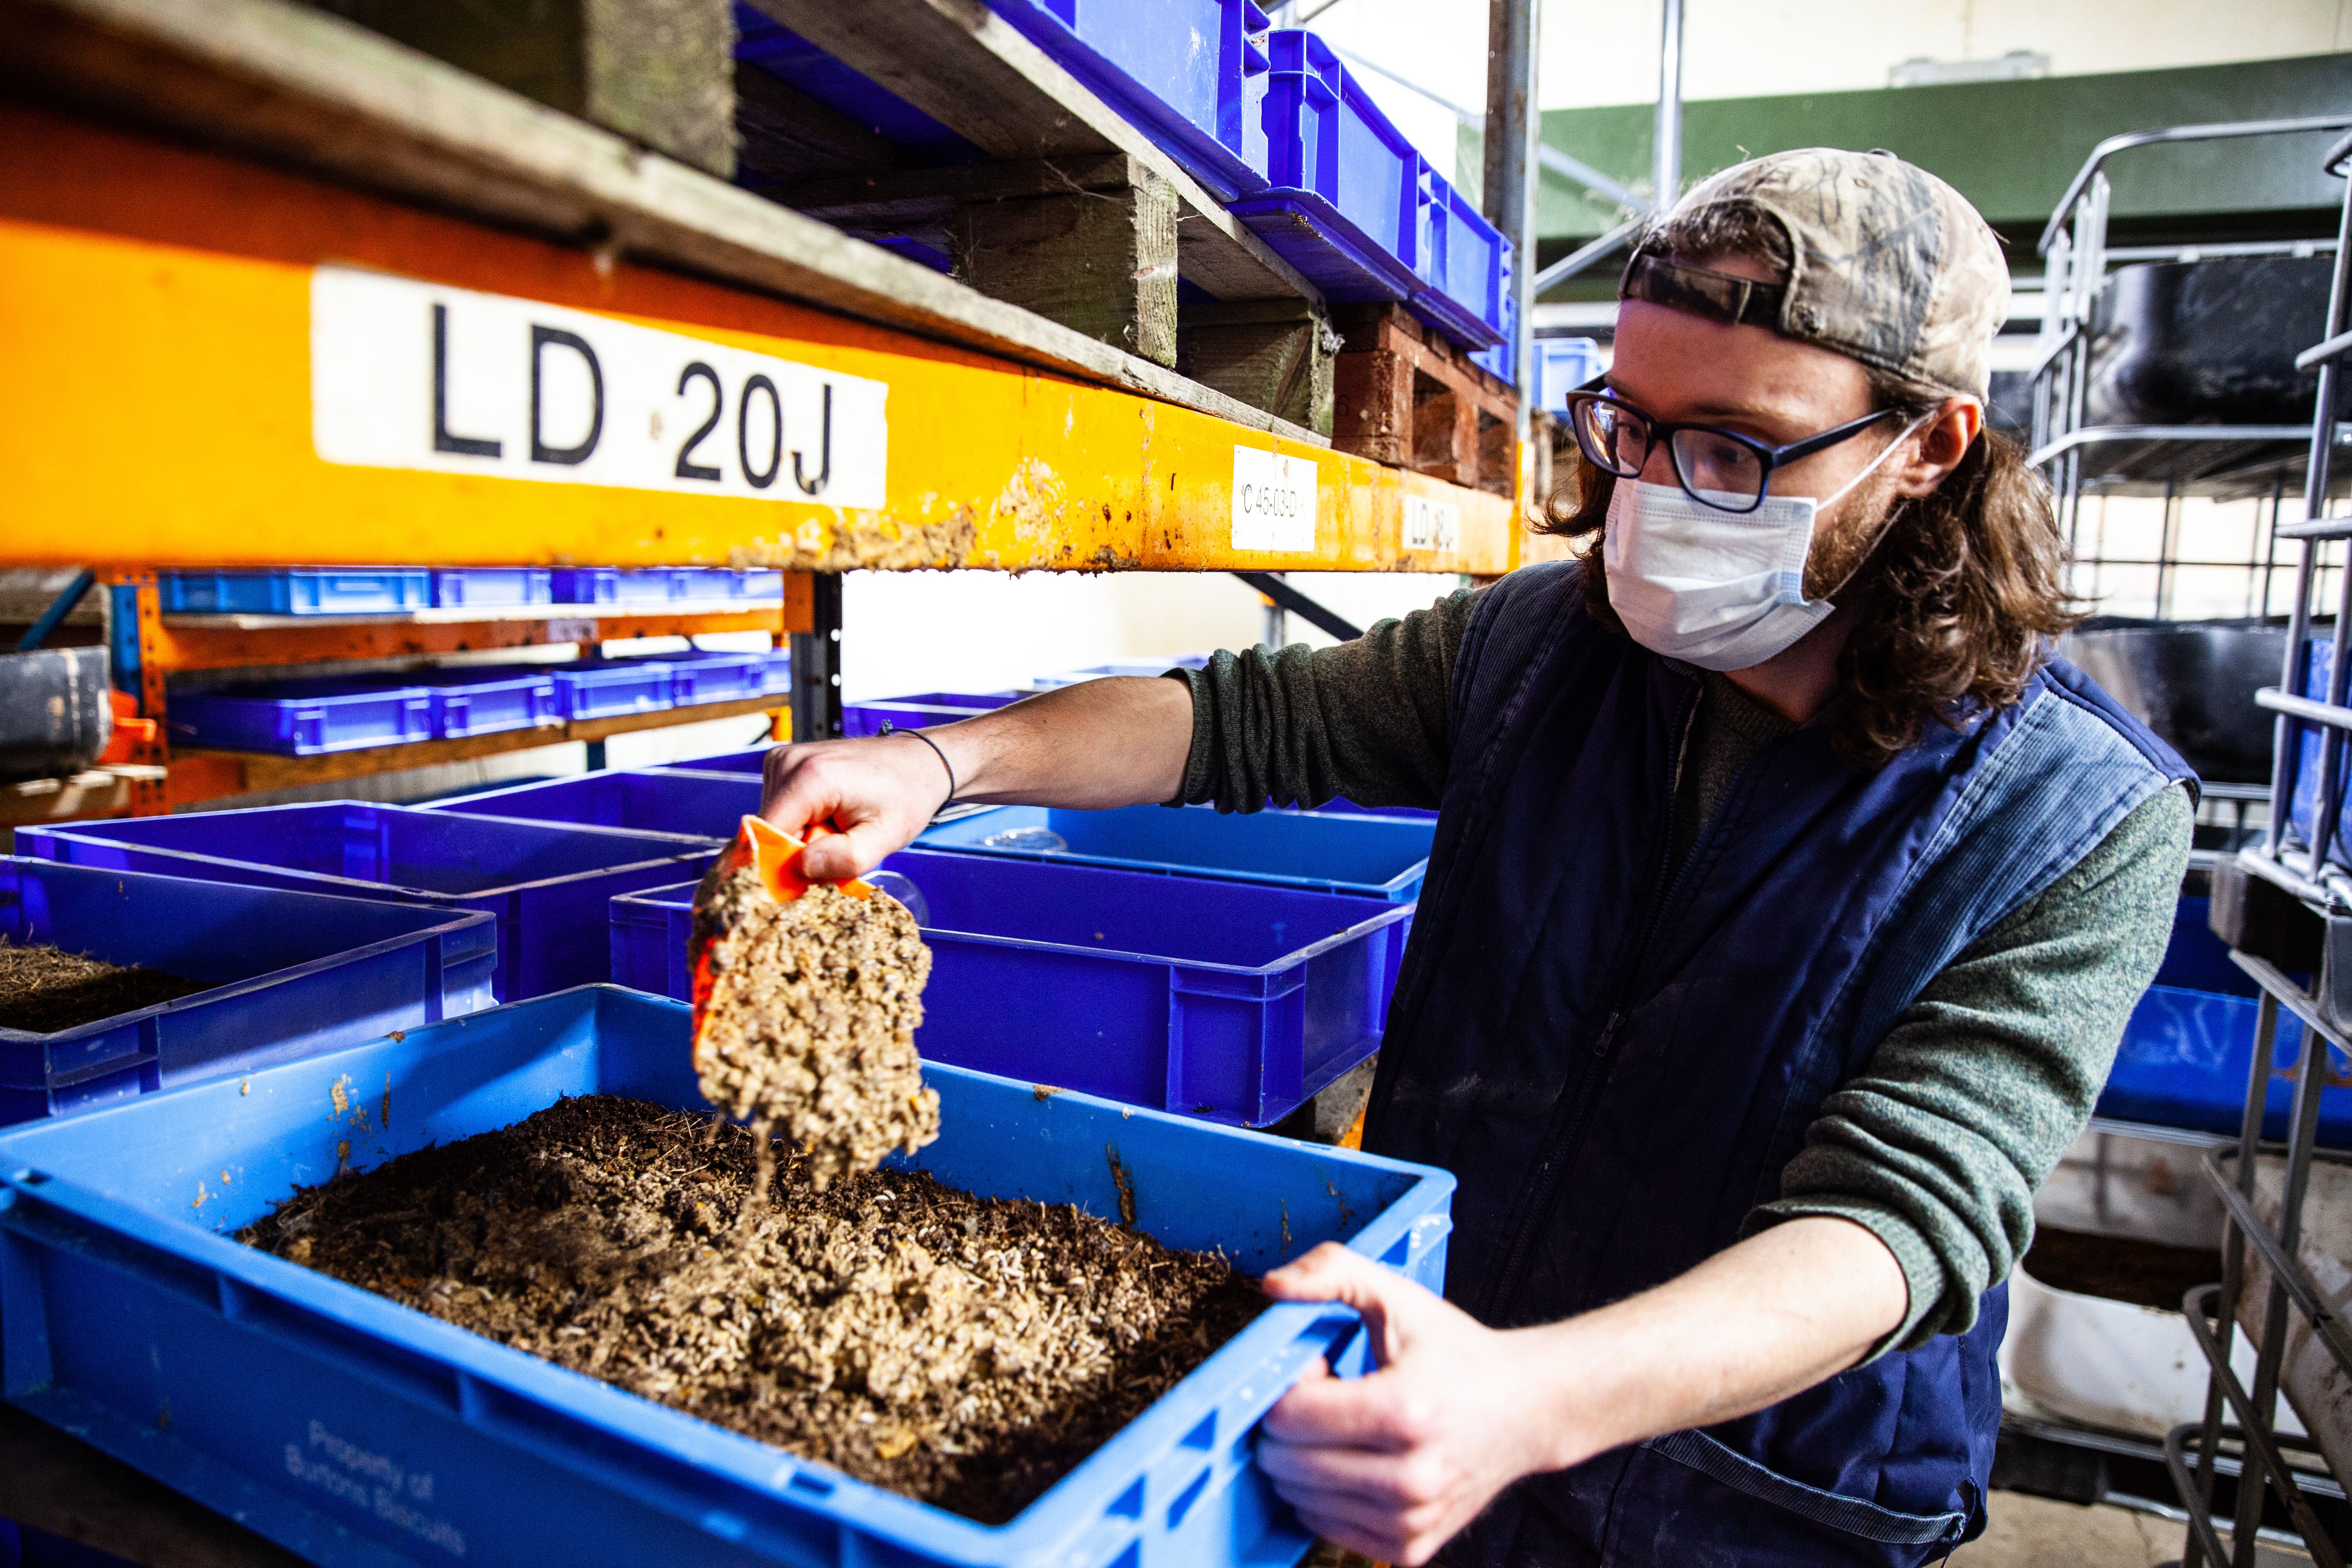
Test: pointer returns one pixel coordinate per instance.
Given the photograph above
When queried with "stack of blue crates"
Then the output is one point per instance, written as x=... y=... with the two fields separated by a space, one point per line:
x=1271 y=122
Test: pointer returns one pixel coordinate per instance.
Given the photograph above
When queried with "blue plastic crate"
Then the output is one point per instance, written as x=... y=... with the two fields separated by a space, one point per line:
x=292 y=974
x=923 y=709
x=1502 y=361
x=1225 y=1000
x=1561 y=365
x=302 y=718
x=548 y=886
x=776 y=672
x=1190 y=74
x=1368 y=856
x=489 y=702
x=1465 y=269
x=602 y=687
x=758 y=584
x=699 y=676
x=476 y=586
x=650 y=800
x=2184 y=1062
x=355 y=1431
x=646 y=586
x=296 y=591
x=1346 y=202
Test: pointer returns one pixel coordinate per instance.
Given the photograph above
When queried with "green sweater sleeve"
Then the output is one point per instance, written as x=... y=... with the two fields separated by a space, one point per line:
x=1367 y=719
x=1962 y=1111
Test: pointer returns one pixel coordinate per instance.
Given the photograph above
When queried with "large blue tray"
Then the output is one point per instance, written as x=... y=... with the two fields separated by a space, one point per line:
x=547 y=885
x=1367 y=855
x=1225 y=1000
x=650 y=800
x=354 y=1431
x=294 y=973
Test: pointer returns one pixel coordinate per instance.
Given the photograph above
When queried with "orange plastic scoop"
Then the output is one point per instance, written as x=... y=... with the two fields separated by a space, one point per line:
x=776 y=856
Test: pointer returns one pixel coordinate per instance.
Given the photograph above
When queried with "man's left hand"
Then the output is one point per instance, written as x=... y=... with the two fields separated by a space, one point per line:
x=1395 y=1463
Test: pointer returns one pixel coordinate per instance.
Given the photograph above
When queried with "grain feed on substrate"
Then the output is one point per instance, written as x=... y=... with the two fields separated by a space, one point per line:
x=43 y=989
x=806 y=1012
x=967 y=1352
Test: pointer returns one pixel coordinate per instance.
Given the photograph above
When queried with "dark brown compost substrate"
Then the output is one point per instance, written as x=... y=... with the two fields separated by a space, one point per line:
x=965 y=1351
x=44 y=989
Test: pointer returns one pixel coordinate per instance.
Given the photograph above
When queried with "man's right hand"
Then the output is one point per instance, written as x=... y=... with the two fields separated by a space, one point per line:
x=879 y=792
x=1095 y=746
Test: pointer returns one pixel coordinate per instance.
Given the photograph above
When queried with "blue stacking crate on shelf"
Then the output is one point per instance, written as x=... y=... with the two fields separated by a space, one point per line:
x=292 y=1400
x=1561 y=365
x=648 y=585
x=479 y=587
x=1502 y=361
x=1346 y=202
x=605 y=688
x=296 y=591
x=1465 y=267
x=547 y=885
x=304 y=718
x=776 y=672
x=650 y=800
x=700 y=675
x=1371 y=856
x=290 y=975
x=921 y=708
x=758 y=584
x=1190 y=74
x=1232 y=1000
x=490 y=701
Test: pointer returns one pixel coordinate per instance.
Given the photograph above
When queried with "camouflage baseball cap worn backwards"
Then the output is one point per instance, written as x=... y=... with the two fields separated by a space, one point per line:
x=1894 y=267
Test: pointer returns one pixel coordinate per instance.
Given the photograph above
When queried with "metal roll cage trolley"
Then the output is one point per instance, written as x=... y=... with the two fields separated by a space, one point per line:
x=2282 y=902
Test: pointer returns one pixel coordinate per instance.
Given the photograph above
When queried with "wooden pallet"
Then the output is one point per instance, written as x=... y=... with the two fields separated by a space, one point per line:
x=1075 y=216
x=1405 y=395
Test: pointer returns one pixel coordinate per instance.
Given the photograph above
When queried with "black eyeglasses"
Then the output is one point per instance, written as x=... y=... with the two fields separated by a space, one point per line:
x=1715 y=467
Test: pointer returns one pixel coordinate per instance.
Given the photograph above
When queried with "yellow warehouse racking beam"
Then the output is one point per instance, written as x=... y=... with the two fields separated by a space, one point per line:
x=217 y=362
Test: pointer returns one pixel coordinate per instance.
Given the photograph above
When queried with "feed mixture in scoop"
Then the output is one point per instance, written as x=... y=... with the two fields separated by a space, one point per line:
x=806 y=996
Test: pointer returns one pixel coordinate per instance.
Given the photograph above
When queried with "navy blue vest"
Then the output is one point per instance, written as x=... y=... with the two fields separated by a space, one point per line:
x=1617 y=1058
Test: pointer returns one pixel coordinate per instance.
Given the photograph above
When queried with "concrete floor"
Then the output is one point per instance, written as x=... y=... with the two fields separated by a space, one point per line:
x=2035 y=1532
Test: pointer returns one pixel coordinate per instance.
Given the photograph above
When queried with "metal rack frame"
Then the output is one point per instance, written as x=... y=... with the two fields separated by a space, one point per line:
x=2236 y=461
x=2302 y=928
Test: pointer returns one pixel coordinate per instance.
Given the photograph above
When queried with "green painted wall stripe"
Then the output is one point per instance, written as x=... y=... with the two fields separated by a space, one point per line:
x=2010 y=147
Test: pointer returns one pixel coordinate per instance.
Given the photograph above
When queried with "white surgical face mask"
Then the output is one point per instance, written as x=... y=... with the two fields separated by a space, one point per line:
x=1717 y=589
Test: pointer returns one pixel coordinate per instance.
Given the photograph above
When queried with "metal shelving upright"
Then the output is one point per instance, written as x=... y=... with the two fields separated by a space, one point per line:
x=2284 y=905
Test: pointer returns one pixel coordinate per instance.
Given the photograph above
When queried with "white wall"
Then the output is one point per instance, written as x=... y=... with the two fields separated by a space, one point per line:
x=982 y=631
x=1744 y=48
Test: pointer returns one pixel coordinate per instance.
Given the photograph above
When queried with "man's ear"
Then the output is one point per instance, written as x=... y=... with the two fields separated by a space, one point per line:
x=1939 y=445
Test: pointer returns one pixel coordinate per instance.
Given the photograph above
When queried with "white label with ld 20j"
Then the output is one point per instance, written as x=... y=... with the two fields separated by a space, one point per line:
x=1432 y=524
x=1274 y=502
x=415 y=376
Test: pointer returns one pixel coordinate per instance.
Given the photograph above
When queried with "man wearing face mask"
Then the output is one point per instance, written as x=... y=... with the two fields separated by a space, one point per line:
x=1787 y=902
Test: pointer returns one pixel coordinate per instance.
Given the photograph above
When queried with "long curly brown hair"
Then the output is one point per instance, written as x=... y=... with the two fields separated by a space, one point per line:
x=1963 y=590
